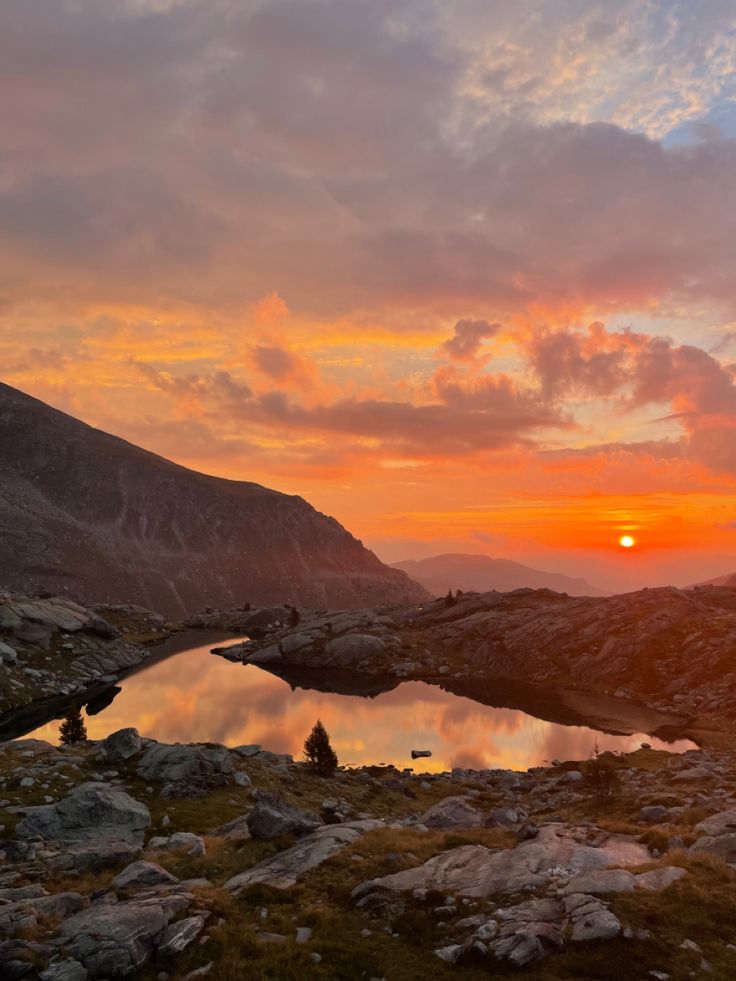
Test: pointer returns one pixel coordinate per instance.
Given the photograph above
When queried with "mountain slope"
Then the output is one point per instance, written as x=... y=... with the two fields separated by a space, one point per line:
x=481 y=573
x=729 y=580
x=89 y=514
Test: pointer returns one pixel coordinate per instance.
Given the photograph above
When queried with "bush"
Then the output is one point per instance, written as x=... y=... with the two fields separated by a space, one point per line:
x=601 y=773
x=319 y=752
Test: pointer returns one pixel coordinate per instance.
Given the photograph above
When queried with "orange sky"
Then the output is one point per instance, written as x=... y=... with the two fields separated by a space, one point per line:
x=461 y=275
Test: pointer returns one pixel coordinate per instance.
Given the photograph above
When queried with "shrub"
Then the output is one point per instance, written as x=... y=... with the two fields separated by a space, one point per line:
x=601 y=773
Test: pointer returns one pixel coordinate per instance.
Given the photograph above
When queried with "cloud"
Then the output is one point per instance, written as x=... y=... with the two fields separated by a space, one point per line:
x=284 y=366
x=467 y=338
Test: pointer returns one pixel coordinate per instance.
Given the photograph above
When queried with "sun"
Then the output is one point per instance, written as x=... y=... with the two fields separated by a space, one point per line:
x=626 y=541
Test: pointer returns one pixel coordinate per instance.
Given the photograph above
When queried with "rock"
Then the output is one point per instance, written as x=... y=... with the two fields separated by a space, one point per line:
x=272 y=817
x=94 y=856
x=8 y=654
x=602 y=881
x=718 y=824
x=529 y=931
x=100 y=627
x=180 y=841
x=116 y=940
x=653 y=814
x=286 y=868
x=721 y=846
x=504 y=817
x=177 y=936
x=235 y=830
x=694 y=774
x=186 y=770
x=23 y=914
x=242 y=779
x=64 y=970
x=92 y=811
x=270 y=938
x=452 y=812
x=140 y=875
x=303 y=935
x=121 y=745
x=417 y=754
x=473 y=870
x=658 y=878
x=351 y=649
x=590 y=919
x=450 y=954
x=248 y=750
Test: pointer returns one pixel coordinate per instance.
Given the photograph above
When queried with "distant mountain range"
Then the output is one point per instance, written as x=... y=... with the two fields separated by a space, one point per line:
x=481 y=573
x=90 y=515
x=729 y=580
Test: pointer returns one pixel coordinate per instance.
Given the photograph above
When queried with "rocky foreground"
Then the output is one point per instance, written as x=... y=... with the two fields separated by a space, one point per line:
x=132 y=858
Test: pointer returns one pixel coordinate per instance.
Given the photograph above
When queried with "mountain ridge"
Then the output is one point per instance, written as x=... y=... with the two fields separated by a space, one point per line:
x=480 y=573
x=90 y=515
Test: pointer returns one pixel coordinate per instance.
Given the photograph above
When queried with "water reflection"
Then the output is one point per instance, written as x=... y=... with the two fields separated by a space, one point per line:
x=194 y=696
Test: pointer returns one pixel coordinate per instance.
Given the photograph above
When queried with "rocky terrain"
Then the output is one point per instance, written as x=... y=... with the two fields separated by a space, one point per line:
x=87 y=514
x=54 y=652
x=481 y=573
x=132 y=858
x=668 y=649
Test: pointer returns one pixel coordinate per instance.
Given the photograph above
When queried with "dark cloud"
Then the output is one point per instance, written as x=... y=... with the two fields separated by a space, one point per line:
x=468 y=337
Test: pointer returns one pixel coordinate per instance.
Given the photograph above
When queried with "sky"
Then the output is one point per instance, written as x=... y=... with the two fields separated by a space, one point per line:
x=460 y=273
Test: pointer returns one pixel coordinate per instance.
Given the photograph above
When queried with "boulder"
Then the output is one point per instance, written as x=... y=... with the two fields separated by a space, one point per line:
x=720 y=846
x=272 y=817
x=601 y=882
x=351 y=649
x=286 y=868
x=94 y=855
x=121 y=745
x=658 y=878
x=475 y=871
x=718 y=824
x=64 y=970
x=452 y=812
x=92 y=811
x=186 y=770
x=114 y=941
x=180 y=841
x=177 y=936
x=590 y=919
x=141 y=875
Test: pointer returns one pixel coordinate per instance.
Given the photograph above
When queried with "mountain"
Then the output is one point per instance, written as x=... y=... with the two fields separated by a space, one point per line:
x=481 y=573
x=87 y=514
x=729 y=580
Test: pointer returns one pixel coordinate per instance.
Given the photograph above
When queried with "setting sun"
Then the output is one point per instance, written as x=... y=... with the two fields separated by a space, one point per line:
x=626 y=541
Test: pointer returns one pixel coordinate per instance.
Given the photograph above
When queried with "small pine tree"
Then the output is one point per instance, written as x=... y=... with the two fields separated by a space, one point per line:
x=601 y=773
x=450 y=600
x=73 y=730
x=319 y=752
x=295 y=617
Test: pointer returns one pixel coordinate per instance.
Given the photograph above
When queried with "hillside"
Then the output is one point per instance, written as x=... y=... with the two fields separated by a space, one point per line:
x=481 y=573
x=86 y=514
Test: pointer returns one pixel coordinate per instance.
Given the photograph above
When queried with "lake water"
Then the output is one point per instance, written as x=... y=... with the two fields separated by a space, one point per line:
x=194 y=696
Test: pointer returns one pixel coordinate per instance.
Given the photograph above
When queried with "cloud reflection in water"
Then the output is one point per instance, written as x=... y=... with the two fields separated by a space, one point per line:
x=196 y=697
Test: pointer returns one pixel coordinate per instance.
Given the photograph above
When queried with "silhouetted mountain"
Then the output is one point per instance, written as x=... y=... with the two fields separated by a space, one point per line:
x=729 y=580
x=481 y=573
x=88 y=514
